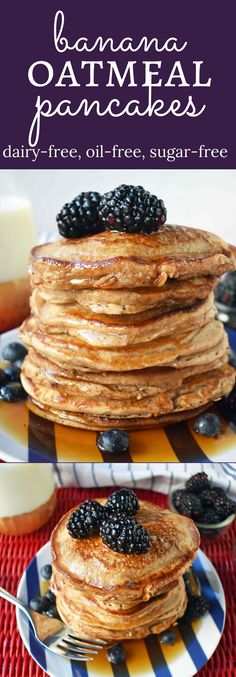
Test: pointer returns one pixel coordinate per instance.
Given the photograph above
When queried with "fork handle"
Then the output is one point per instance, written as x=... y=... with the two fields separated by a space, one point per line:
x=14 y=600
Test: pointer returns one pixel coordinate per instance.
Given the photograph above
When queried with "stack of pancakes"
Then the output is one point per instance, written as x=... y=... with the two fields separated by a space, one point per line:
x=123 y=330
x=106 y=595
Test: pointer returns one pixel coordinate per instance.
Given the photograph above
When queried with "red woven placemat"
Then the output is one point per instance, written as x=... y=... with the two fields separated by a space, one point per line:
x=17 y=551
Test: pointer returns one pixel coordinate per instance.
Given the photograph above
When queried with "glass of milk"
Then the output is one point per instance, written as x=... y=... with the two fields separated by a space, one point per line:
x=17 y=237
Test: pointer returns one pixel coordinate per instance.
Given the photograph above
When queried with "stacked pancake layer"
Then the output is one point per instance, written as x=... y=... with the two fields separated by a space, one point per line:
x=111 y=596
x=123 y=329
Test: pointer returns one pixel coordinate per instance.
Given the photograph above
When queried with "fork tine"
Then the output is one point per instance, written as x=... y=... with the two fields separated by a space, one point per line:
x=74 y=655
x=88 y=642
x=76 y=647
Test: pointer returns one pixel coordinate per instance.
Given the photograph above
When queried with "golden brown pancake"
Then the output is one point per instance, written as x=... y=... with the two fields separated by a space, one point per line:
x=110 y=595
x=174 y=294
x=103 y=330
x=90 y=422
x=191 y=347
x=123 y=330
x=80 y=397
x=113 y=260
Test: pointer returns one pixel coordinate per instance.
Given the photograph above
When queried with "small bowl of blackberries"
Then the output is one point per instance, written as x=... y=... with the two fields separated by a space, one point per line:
x=207 y=504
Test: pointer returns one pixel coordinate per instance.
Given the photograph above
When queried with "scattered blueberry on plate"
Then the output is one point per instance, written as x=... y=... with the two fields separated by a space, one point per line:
x=167 y=637
x=39 y=603
x=114 y=441
x=13 y=373
x=14 y=351
x=116 y=654
x=12 y=392
x=11 y=389
x=46 y=572
x=208 y=425
x=3 y=377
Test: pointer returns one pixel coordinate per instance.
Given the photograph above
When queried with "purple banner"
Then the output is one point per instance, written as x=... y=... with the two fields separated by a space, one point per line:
x=118 y=85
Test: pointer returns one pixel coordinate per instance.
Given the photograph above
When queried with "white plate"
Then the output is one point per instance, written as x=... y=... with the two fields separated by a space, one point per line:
x=144 y=658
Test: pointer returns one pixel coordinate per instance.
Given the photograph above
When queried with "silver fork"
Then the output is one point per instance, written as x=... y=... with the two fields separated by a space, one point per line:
x=55 y=635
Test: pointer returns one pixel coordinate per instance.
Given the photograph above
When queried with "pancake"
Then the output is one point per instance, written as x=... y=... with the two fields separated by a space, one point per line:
x=121 y=385
x=82 y=397
x=151 y=617
x=89 y=422
x=173 y=294
x=197 y=346
x=109 y=595
x=113 y=260
x=104 y=331
x=123 y=330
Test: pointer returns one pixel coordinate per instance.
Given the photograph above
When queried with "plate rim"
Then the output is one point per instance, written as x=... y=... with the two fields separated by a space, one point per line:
x=46 y=548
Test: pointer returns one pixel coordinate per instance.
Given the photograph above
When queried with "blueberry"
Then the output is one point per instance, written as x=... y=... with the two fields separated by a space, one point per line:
x=3 y=378
x=167 y=637
x=46 y=572
x=18 y=363
x=208 y=425
x=116 y=654
x=39 y=603
x=12 y=373
x=52 y=612
x=50 y=596
x=14 y=351
x=13 y=392
x=113 y=441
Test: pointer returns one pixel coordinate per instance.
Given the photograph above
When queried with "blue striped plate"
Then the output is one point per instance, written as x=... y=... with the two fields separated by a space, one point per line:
x=144 y=658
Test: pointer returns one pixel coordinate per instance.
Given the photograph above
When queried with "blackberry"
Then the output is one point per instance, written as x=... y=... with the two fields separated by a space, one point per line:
x=114 y=441
x=208 y=425
x=116 y=654
x=190 y=506
x=198 y=482
x=177 y=497
x=132 y=209
x=123 y=501
x=86 y=519
x=197 y=607
x=80 y=217
x=208 y=497
x=209 y=516
x=224 y=507
x=124 y=534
